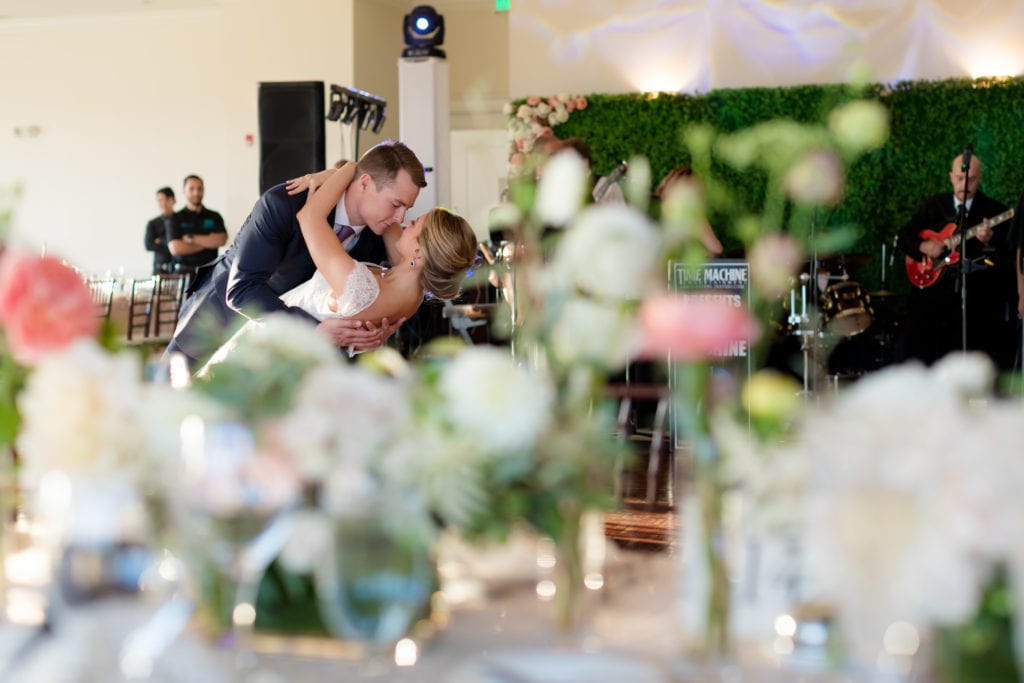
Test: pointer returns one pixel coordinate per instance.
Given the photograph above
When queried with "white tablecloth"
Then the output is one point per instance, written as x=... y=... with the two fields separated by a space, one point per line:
x=507 y=638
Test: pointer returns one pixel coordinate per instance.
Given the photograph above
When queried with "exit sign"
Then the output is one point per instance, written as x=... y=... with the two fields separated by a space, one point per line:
x=501 y=5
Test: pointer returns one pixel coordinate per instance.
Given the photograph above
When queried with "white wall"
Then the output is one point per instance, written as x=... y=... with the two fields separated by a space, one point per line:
x=589 y=46
x=127 y=103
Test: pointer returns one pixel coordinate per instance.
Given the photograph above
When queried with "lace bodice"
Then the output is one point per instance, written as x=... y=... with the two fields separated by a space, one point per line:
x=361 y=289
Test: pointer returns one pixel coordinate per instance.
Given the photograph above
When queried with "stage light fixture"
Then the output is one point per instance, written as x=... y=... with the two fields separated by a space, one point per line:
x=423 y=28
x=351 y=105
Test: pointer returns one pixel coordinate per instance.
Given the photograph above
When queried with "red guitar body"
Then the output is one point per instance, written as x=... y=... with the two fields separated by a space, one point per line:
x=926 y=272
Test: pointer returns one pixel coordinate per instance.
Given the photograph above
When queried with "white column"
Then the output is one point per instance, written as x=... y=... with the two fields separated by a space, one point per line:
x=423 y=124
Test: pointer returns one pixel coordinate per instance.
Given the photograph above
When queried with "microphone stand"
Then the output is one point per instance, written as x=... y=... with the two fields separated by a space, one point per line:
x=962 y=281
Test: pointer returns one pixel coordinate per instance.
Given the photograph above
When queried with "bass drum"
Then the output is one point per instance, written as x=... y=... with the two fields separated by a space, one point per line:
x=846 y=309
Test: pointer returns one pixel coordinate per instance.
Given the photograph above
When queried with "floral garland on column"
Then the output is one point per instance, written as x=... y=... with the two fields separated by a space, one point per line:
x=533 y=117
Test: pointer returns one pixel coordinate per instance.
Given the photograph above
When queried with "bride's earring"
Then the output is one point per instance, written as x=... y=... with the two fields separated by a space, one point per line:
x=412 y=263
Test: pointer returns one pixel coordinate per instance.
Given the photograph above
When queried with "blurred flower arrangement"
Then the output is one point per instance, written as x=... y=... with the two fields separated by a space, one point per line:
x=908 y=516
x=533 y=117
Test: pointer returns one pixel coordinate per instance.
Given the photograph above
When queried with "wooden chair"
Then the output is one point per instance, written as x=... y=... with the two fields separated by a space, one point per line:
x=102 y=291
x=169 y=293
x=654 y=401
x=140 y=309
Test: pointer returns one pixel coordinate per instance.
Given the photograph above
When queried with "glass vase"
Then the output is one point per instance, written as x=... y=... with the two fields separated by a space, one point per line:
x=374 y=586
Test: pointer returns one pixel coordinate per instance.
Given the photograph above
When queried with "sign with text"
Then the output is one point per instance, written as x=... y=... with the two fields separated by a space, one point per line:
x=725 y=280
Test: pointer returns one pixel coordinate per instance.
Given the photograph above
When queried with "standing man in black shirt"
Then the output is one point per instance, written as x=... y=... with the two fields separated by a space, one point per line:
x=196 y=232
x=933 y=324
x=156 y=232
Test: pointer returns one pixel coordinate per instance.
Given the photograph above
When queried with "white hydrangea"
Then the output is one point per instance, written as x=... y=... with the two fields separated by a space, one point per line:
x=80 y=412
x=909 y=495
x=341 y=413
x=494 y=402
x=445 y=468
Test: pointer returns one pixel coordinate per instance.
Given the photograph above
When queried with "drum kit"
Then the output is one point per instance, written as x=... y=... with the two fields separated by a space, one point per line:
x=848 y=332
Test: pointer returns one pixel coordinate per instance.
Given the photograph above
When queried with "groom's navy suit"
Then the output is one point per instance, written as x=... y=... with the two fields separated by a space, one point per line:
x=267 y=259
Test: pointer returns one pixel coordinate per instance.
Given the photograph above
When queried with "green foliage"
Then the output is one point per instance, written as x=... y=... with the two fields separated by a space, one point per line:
x=982 y=649
x=12 y=380
x=931 y=123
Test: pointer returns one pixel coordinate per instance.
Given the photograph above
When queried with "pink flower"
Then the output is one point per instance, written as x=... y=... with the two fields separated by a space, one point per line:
x=516 y=159
x=546 y=130
x=694 y=327
x=581 y=102
x=553 y=101
x=533 y=101
x=570 y=106
x=44 y=305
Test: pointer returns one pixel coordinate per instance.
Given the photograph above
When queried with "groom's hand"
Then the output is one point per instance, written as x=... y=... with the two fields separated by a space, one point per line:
x=352 y=333
x=386 y=329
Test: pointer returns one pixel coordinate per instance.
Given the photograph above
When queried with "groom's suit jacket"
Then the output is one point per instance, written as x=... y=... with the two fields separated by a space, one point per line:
x=267 y=258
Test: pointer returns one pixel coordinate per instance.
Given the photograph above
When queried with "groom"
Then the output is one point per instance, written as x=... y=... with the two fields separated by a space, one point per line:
x=269 y=256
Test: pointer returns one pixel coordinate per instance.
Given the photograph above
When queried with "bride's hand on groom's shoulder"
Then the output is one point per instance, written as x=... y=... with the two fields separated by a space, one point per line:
x=302 y=183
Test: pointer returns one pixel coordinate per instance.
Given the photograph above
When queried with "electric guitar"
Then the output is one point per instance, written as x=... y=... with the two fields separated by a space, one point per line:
x=927 y=272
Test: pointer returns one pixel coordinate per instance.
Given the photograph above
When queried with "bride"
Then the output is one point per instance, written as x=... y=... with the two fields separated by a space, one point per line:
x=434 y=252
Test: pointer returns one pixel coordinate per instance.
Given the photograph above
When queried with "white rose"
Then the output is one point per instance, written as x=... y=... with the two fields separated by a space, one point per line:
x=597 y=333
x=610 y=251
x=561 y=188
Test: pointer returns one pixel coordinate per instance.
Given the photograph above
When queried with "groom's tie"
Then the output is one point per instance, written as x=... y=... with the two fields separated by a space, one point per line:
x=343 y=232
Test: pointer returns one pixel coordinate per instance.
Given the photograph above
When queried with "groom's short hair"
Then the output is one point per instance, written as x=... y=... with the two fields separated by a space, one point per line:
x=384 y=160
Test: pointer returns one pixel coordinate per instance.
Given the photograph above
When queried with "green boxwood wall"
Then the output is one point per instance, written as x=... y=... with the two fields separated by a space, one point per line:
x=931 y=123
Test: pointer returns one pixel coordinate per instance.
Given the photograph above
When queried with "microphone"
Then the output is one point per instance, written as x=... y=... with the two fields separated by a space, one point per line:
x=606 y=182
x=968 y=151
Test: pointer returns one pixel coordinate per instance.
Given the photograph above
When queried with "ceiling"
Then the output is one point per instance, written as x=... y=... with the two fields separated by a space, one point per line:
x=28 y=10
x=52 y=9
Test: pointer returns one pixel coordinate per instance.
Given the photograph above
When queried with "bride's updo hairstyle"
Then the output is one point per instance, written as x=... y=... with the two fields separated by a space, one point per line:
x=448 y=247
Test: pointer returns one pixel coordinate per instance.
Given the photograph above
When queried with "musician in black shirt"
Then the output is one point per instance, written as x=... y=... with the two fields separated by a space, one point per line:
x=933 y=325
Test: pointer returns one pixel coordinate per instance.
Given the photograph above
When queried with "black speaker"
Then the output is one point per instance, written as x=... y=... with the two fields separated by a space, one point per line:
x=291 y=117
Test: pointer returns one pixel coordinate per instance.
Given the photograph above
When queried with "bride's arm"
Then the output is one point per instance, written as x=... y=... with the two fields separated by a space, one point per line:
x=328 y=254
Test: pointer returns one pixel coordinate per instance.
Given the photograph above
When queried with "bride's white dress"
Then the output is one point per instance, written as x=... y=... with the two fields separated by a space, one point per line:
x=362 y=288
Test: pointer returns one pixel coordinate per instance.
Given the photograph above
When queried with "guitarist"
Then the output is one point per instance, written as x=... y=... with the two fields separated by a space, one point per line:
x=932 y=327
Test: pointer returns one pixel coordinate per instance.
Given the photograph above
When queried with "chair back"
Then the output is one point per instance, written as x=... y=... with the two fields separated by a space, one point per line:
x=102 y=291
x=140 y=308
x=170 y=292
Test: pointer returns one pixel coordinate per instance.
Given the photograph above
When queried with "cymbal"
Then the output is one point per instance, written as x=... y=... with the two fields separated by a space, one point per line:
x=882 y=293
x=845 y=261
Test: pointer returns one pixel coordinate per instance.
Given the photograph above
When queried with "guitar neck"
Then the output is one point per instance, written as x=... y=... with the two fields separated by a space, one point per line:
x=951 y=242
